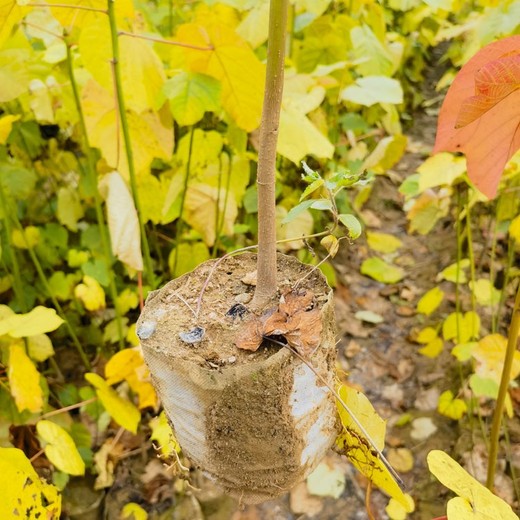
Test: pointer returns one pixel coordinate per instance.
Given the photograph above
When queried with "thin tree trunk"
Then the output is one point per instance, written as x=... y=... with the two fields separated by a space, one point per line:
x=266 y=265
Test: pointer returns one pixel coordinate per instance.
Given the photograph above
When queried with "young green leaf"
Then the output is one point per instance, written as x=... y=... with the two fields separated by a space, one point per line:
x=352 y=224
x=381 y=271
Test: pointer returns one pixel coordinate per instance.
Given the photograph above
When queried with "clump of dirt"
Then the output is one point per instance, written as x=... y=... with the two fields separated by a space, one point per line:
x=259 y=422
x=208 y=339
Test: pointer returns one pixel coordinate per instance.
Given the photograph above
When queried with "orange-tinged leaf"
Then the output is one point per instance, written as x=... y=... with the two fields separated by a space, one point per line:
x=24 y=495
x=60 y=448
x=24 y=380
x=249 y=336
x=491 y=139
x=231 y=61
x=493 y=82
x=121 y=410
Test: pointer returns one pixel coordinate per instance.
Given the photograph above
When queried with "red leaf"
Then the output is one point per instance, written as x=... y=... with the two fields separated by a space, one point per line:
x=480 y=115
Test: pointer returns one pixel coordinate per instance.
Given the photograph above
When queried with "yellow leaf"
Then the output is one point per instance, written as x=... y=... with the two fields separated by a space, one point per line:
x=129 y=365
x=383 y=242
x=426 y=335
x=200 y=208
x=327 y=480
x=485 y=292
x=254 y=27
x=150 y=132
x=450 y=407
x=24 y=494
x=11 y=12
x=463 y=351
x=298 y=137
x=331 y=244
x=461 y=327
x=69 y=209
x=441 y=168
x=6 y=124
x=14 y=72
x=60 y=448
x=401 y=459
x=163 y=435
x=38 y=321
x=490 y=354
x=126 y=300
x=231 y=61
x=354 y=444
x=427 y=209
x=121 y=410
x=123 y=224
x=454 y=271
x=475 y=501
x=70 y=17
x=40 y=347
x=142 y=73
x=90 y=293
x=133 y=511
x=514 y=227
x=26 y=239
x=433 y=348
x=24 y=381
x=430 y=301
x=396 y=511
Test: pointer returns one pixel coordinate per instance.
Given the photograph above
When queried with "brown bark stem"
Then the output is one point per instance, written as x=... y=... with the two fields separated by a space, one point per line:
x=266 y=179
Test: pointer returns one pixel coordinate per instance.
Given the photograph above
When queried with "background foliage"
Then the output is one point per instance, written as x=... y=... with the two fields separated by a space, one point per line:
x=128 y=145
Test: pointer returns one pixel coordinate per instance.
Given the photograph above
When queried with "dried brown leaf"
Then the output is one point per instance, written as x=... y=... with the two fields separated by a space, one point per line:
x=293 y=302
x=304 y=331
x=276 y=325
x=249 y=336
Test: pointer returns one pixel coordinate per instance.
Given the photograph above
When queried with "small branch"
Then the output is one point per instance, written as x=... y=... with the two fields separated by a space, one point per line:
x=128 y=141
x=514 y=331
x=68 y=408
x=266 y=179
x=68 y=6
x=166 y=42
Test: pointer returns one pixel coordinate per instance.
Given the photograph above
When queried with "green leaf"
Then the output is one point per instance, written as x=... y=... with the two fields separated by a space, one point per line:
x=17 y=181
x=189 y=256
x=352 y=224
x=300 y=208
x=191 y=94
x=373 y=89
x=430 y=301
x=369 y=317
x=463 y=351
x=383 y=242
x=381 y=271
x=69 y=209
x=315 y=185
x=60 y=448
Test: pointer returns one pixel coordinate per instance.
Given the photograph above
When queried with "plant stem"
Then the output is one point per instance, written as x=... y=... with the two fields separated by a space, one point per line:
x=92 y=179
x=183 y=201
x=45 y=283
x=514 y=330
x=266 y=179
x=128 y=142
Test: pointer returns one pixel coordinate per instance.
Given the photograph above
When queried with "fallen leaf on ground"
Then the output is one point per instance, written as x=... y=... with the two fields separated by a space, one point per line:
x=475 y=502
x=401 y=459
x=422 y=428
x=326 y=481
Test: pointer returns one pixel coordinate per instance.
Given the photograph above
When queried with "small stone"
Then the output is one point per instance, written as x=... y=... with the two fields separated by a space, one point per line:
x=193 y=336
x=146 y=329
x=243 y=298
x=231 y=359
